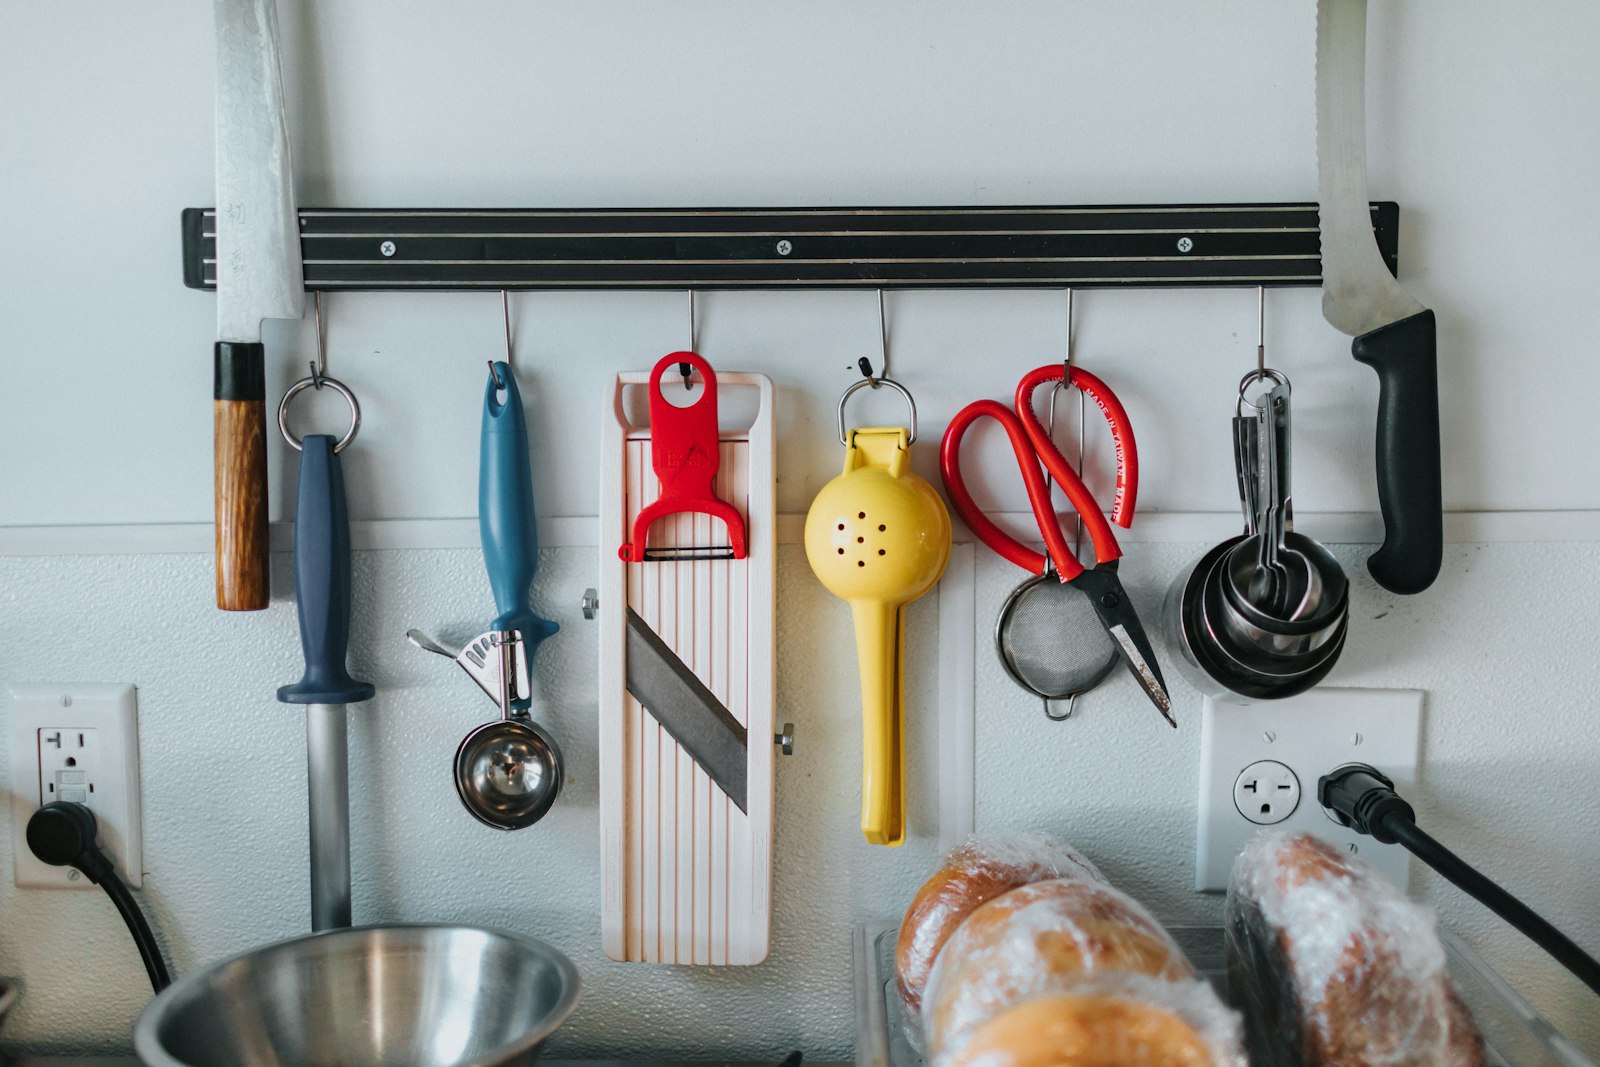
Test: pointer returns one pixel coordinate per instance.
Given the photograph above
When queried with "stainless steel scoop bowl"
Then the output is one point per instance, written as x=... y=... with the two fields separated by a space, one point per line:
x=426 y=996
x=508 y=773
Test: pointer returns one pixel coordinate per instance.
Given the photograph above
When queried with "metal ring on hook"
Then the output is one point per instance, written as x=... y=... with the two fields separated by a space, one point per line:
x=1277 y=377
x=844 y=438
x=309 y=383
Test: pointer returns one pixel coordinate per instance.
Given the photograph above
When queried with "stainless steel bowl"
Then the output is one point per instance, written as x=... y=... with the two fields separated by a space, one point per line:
x=423 y=995
x=8 y=997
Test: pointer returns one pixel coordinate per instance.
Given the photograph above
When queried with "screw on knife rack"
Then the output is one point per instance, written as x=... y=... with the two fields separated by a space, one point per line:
x=1185 y=244
x=387 y=248
x=785 y=247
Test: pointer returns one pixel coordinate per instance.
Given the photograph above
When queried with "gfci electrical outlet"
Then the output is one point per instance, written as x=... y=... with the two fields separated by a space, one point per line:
x=76 y=743
x=1259 y=765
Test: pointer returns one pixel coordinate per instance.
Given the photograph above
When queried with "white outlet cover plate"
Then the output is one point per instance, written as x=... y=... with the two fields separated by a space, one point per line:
x=113 y=712
x=1312 y=734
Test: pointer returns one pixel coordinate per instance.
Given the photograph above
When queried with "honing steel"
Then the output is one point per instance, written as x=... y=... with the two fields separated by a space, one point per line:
x=259 y=276
x=1394 y=334
x=322 y=596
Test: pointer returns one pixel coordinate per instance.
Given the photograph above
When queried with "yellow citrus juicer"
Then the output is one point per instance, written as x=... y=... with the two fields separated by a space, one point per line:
x=878 y=536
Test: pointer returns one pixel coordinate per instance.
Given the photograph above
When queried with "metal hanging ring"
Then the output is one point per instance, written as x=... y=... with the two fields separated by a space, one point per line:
x=313 y=383
x=844 y=438
x=1277 y=377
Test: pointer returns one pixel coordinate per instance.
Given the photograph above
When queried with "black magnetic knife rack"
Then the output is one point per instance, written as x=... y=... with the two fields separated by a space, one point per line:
x=421 y=250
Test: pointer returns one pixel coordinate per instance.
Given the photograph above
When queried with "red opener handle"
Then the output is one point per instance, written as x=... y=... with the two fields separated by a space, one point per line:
x=684 y=452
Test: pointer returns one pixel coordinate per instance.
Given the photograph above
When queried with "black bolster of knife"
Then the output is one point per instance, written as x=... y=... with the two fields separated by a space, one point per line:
x=1409 y=492
x=240 y=371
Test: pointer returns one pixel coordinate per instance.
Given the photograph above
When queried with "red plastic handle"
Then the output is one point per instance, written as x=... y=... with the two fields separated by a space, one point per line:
x=1067 y=565
x=684 y=452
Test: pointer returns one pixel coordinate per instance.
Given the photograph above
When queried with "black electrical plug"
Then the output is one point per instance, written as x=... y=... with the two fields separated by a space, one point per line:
x=63 y=834
x=1364 y=799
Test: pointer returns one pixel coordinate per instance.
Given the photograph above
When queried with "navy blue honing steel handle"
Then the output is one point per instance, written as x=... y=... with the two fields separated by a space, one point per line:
x=322 y=580
x=505 y=512
x=1409 y=490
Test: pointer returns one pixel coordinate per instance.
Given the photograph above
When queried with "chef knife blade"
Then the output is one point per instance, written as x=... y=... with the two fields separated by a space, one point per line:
x=259 y=276
x=1394 y=334
x=690 y=712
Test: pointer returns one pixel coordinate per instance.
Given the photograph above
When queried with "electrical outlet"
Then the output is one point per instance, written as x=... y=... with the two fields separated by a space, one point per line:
x=1259 y=765
x=76 y=743
x=1266 y=792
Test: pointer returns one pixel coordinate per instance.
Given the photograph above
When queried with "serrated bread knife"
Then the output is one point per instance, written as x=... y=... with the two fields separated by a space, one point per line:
x=259 y=276
x=1394 y=334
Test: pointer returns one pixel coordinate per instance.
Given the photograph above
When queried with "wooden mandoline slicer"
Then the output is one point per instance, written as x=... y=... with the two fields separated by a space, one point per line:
x=687 y=669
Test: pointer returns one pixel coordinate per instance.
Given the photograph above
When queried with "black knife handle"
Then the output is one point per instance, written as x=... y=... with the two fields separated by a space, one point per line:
x=1404 y=354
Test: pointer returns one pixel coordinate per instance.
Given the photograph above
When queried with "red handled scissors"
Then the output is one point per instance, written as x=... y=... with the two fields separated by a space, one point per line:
x=1033 y=448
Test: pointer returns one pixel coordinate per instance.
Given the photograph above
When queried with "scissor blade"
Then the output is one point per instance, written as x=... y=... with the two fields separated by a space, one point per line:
x=1116 y=613
x=1144 y=668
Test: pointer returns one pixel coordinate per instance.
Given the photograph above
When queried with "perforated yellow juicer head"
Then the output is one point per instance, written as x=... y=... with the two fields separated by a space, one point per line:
x=878 y=536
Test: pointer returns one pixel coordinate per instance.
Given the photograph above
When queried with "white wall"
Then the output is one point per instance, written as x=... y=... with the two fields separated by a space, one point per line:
x=1484 y=127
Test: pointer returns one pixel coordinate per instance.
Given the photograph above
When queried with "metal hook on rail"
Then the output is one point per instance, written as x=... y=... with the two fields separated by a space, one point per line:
x=683 y=368
x=864 y=365
x=319 y=365
x=505 y=314
x=317 y=379
x=1050 y=428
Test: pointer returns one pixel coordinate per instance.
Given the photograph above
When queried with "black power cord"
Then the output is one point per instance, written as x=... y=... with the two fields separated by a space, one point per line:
x=63 y=834
x=1365 y=801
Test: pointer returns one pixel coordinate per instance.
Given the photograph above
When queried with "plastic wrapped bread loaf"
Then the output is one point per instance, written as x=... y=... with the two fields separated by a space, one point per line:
x=1116 y=1020
x=1332 y=965
x=1035 y=940
x=972 y=874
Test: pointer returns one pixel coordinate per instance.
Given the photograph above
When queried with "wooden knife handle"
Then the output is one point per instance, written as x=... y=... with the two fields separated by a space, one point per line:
x=241 y=476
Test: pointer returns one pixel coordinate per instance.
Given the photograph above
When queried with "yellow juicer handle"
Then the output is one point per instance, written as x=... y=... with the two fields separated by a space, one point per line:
x=878 y=626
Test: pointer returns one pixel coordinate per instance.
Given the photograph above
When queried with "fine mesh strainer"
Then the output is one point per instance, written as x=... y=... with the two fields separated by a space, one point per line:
x=1052 y=643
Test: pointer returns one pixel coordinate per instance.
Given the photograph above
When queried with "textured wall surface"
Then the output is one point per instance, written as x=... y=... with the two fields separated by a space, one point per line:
x=1499 y=645
x=1484 y=127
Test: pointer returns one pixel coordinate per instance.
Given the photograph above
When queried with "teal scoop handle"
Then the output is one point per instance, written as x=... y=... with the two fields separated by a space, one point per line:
x=505 y=511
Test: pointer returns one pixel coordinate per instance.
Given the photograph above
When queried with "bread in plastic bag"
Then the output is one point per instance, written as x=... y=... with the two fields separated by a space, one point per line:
x=1109 y=1020
x=972 y=873
x=1031 y=940
x=1332 y=965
